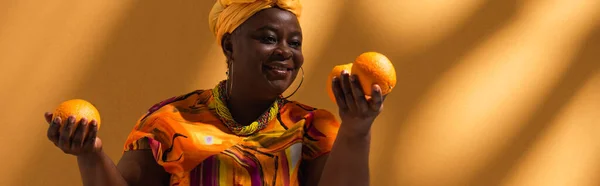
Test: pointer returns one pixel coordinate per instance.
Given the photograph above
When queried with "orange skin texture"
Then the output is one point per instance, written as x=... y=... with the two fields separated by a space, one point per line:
x=370 y=68
x=374 y=68
x=79 y=108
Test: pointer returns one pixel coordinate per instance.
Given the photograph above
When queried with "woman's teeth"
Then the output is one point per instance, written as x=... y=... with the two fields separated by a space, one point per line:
x=278 y=68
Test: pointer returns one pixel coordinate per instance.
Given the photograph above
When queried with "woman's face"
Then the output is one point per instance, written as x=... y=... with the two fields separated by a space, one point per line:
x=265 y=51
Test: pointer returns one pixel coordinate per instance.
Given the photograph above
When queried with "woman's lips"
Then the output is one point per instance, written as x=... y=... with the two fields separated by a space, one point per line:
x=277 y=72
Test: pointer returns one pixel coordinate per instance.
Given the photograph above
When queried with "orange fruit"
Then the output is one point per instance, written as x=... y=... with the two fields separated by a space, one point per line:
x=371 y=68
x=336 y=71
x=79 y=108
x=374 y=68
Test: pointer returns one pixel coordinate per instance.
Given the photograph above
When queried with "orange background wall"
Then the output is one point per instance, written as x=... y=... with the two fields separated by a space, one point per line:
x=490 y=92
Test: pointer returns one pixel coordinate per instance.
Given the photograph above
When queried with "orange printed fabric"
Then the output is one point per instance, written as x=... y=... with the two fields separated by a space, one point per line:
x=196 y=148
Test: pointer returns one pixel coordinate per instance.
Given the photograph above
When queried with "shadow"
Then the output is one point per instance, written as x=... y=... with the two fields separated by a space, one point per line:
x=7 y=12
x=415 y=72
x=422 y=70
x=595 y=180
x=43 y=46
x=583 y=67
x=342 y=47
x=154 y=53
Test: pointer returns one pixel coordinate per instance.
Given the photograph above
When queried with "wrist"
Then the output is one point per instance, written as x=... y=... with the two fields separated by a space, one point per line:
x=354 y=137
x=89 y=156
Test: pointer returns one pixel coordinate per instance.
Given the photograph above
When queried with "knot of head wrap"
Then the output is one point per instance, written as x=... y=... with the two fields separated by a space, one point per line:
x=226 y=15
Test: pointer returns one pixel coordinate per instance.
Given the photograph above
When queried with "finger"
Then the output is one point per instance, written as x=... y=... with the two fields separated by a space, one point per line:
x=376 y=102
x=97 y=144
x=54 y=130
x=64 y=140
x=79 y=135
x=359 y=95
x=347 y=89
x=339 y=94
x=48 y=117
x=90 y=139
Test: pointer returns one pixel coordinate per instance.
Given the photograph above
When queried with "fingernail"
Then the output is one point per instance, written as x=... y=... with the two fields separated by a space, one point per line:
x=83 y=120
x=344 y=72
x=56 y=120
x=71 y=119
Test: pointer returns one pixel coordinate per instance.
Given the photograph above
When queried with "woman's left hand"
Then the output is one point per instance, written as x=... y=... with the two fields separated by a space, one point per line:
x=357 y=113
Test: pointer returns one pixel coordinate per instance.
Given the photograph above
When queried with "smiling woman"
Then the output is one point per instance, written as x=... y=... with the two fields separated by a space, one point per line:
x=242 y=131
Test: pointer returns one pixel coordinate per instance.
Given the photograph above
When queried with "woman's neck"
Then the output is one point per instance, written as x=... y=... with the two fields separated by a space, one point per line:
x=246 y=108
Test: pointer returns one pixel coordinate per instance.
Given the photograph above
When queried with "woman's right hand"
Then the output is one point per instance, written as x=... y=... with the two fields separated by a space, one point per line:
x=74 y=140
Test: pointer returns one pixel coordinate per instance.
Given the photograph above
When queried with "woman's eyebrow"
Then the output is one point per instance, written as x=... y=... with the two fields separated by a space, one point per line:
x=268 y=27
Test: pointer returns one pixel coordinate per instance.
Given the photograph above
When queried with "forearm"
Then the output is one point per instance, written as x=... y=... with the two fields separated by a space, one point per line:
x=348 y=162
x=97 y=169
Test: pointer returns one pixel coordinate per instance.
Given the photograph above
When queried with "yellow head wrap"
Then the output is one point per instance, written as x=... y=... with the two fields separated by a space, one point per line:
x=227 y=15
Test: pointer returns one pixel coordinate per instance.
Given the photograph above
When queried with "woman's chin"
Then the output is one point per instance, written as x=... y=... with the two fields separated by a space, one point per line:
x=279 y=86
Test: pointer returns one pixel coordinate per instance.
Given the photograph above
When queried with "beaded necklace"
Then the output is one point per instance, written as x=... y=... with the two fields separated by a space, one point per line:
x=219 y=105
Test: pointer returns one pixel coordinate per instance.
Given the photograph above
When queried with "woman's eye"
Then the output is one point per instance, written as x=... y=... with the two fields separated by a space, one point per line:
x=295 y=44
x=269 y=40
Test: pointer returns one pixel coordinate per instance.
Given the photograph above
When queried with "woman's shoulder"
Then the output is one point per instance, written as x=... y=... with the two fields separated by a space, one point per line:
x=319 y=130
x=193 y=101
x=298 y=109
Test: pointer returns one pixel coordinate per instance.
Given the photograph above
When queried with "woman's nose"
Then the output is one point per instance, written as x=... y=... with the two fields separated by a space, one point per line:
x=283 y=51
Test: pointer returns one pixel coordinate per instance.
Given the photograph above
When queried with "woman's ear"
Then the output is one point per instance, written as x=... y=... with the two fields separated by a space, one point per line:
x=227 y=46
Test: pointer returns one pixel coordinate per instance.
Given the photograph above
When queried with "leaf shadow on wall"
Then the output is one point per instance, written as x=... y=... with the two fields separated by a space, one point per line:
x=583 y=67
x=153 y=53
x=416 y=72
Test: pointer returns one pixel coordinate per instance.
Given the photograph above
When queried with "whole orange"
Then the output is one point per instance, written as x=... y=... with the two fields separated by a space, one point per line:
x=79 y=108
x=374 y=68
x=336 y=71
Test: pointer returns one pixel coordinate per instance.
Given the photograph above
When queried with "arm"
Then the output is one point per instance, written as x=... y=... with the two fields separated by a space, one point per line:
x=311 y=170
x=135 y=168
x=348 y=161
x=349 y=158
x=99 y=169
x=139 y=167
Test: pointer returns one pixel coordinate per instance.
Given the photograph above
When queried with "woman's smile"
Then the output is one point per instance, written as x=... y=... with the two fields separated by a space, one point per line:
x=278 y=71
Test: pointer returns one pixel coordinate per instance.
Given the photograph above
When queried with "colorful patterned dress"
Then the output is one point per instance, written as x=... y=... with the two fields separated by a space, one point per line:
x=191 y=142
